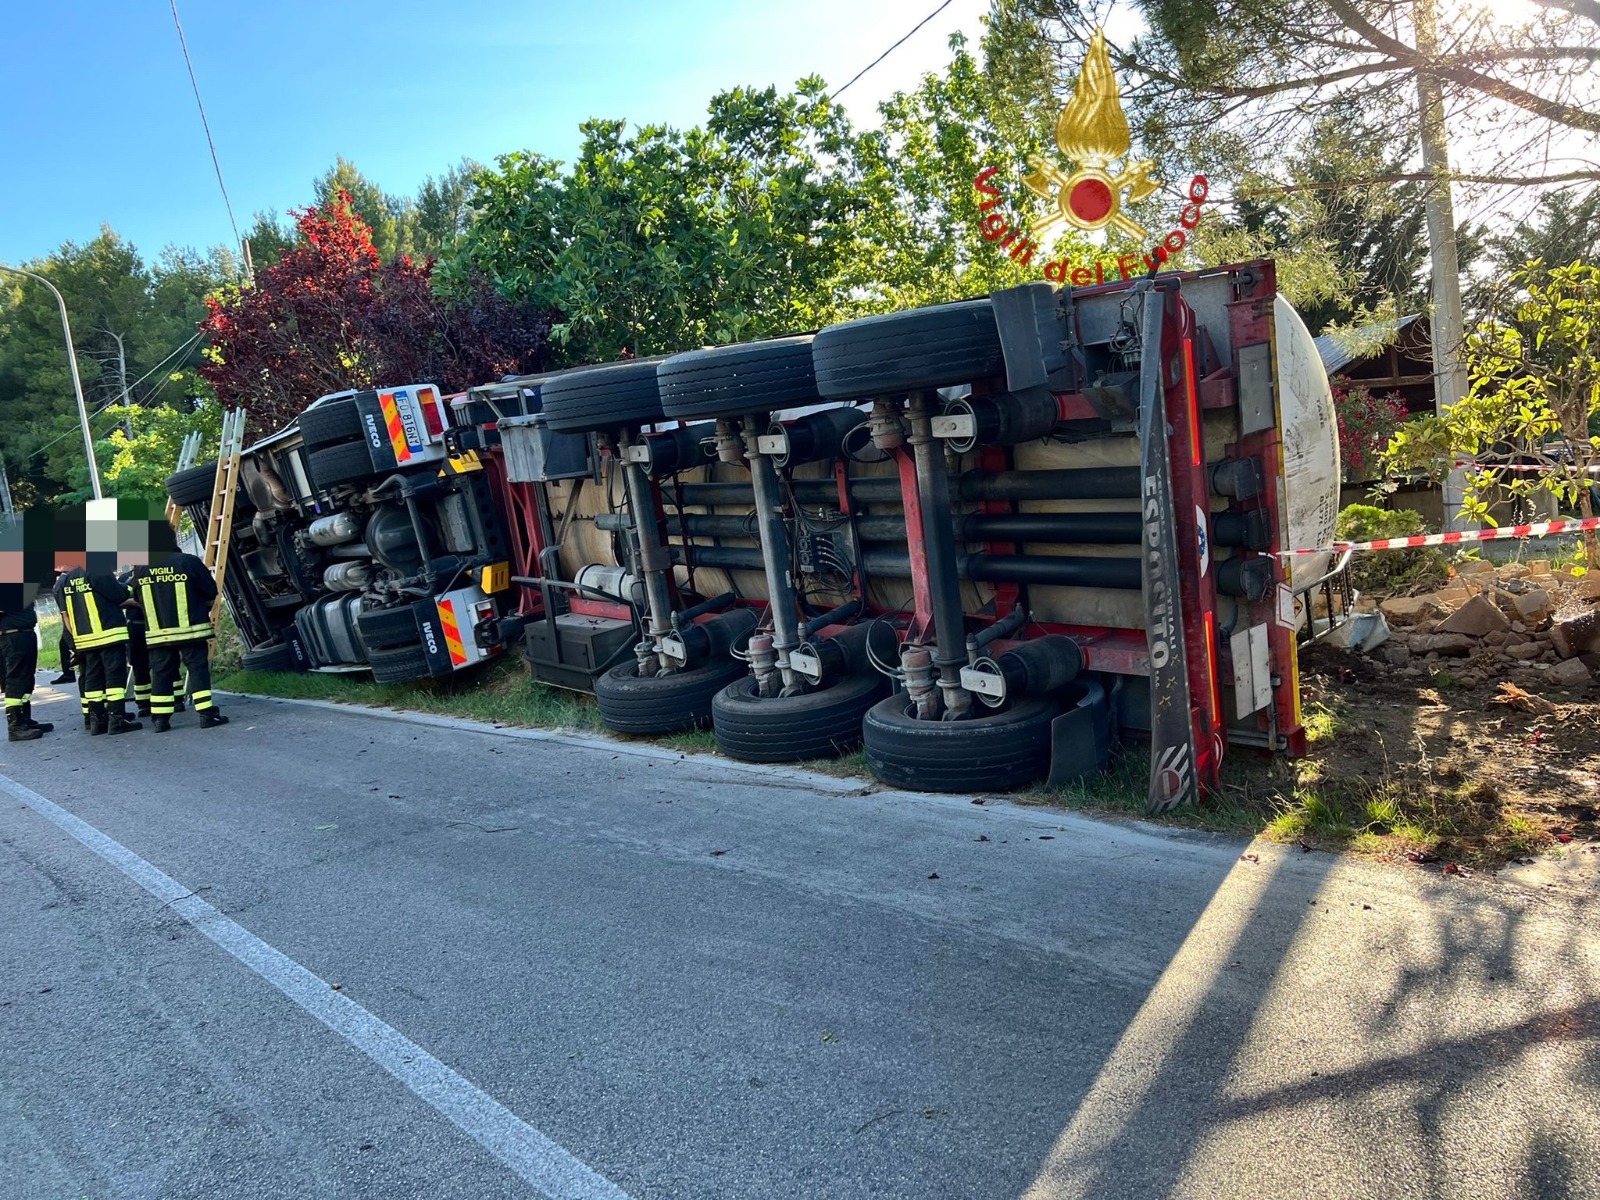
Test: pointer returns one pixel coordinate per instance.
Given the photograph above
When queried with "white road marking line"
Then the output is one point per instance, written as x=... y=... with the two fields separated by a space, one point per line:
x=533 y=1157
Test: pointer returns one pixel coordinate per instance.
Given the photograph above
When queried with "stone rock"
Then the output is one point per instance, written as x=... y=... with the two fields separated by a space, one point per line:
x=1512 y=571
x=1518 y=627
x=1577 y=634
x=1533 y=606
x=1406 y=610
x=1497 y=637
x=1539 y=566
x=1525 y=652
x=1589 y=587
x=1396 y=655
x=1514 y=638
x=1424 y=626
x=1446 y=645
x=1475 y=618
x=1571 y=673
x=1473 y=566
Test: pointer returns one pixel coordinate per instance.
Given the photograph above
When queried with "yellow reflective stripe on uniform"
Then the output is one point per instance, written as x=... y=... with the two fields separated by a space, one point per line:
x=15 y=701
x=186 y=634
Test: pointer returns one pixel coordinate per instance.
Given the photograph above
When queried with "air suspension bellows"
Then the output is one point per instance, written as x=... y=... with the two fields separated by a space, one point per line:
x=1036 y=668
x=674 y=450
x=1007 y=419
x=694 y=642
x=815 y=437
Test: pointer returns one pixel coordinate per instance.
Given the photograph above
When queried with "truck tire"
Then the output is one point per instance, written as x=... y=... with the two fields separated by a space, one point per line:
x=908 y=351
x=632 y=703
x=386 y=628
x=274 y=656
x=995 y=752
x=330 y=424
x=609 y=397
x=728 y=381
x=822 y=724
x=194 y=486
x=345 y=463
x=399 y=664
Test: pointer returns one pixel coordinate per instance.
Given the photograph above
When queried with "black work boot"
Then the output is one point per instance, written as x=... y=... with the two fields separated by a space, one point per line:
x=144 y=707
x=65 y=677
x=16 y=730
x=121 y=722
x=97 y=718
x=210 y=718
x=161 y=723
x=27 y=719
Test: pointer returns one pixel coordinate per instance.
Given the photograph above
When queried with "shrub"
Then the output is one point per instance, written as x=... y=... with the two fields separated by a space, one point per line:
x=1388 y=570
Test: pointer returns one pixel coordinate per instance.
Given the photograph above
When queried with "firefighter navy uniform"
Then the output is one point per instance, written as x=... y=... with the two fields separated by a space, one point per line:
x=138 y=652
x=176 y=596
x=91 y=606
x=19 y=659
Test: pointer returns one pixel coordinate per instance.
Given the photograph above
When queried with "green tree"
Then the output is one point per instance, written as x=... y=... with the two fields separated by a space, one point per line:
x=1534 y=363
x=443 y=209
x=659 y=239
x=392 y=219
x=134 y=330
x=140 y=454
x=1565 y=229
x=918 y=235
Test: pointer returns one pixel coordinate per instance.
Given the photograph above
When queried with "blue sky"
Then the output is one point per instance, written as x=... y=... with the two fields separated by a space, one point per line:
x=100 y=125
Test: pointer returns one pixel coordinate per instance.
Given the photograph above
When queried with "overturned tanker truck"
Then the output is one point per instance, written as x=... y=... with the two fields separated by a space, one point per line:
x=987 y=541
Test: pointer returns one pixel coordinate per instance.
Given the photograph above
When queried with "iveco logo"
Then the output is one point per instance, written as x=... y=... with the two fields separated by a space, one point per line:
x=427 y=636
x=373 y=435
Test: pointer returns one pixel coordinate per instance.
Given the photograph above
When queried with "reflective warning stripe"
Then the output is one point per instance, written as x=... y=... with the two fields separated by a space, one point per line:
x=397 y=428
x=452 y=632
x=1539 y=529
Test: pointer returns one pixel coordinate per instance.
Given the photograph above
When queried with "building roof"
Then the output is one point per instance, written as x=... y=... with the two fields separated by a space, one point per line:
x=1339 y=350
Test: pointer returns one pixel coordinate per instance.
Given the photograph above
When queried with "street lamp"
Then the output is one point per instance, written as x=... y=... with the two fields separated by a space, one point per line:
x=77 y=384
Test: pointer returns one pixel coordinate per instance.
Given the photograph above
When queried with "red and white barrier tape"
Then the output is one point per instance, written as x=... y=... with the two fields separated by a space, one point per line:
x=1538 y=467
x=1541 y=529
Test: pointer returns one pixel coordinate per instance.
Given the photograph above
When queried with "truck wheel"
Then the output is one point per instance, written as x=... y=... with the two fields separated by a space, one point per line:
x=728 y=381
x=399 y=665
x=906 y=351
x=194 y=486
x=823 y=724
x=345 y=463
x=274 y=656
x=330 y=424
x=386 y=628
x=617 y=394
x=632 y=703
x=991 y=753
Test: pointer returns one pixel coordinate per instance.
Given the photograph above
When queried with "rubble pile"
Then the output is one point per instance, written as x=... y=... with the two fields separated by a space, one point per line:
x=1520 y=622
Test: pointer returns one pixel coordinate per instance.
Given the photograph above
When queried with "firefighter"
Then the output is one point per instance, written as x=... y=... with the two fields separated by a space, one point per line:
x=91 y=606
x=19 y=654
x=177 y=594
x=138 y=649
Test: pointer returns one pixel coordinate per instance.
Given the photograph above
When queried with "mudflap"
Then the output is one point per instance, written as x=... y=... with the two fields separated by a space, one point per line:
x=1173 y=779
x=1081 y=737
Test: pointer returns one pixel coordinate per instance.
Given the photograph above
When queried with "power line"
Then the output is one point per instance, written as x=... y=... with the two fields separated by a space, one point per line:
x=205 y=123
x=892 y=48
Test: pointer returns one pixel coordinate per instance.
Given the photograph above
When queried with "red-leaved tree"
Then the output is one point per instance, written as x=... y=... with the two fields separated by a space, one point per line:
x=328 y=316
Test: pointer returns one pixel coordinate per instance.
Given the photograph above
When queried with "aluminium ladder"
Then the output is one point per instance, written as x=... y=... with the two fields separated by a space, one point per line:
x=219 y=529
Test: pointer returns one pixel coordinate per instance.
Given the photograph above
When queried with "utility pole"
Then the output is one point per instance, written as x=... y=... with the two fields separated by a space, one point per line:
x=122 y=380
x=1447 y=324
x=77 y=384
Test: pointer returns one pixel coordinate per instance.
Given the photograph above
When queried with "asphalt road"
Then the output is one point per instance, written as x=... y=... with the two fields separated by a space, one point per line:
x=644 y=975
